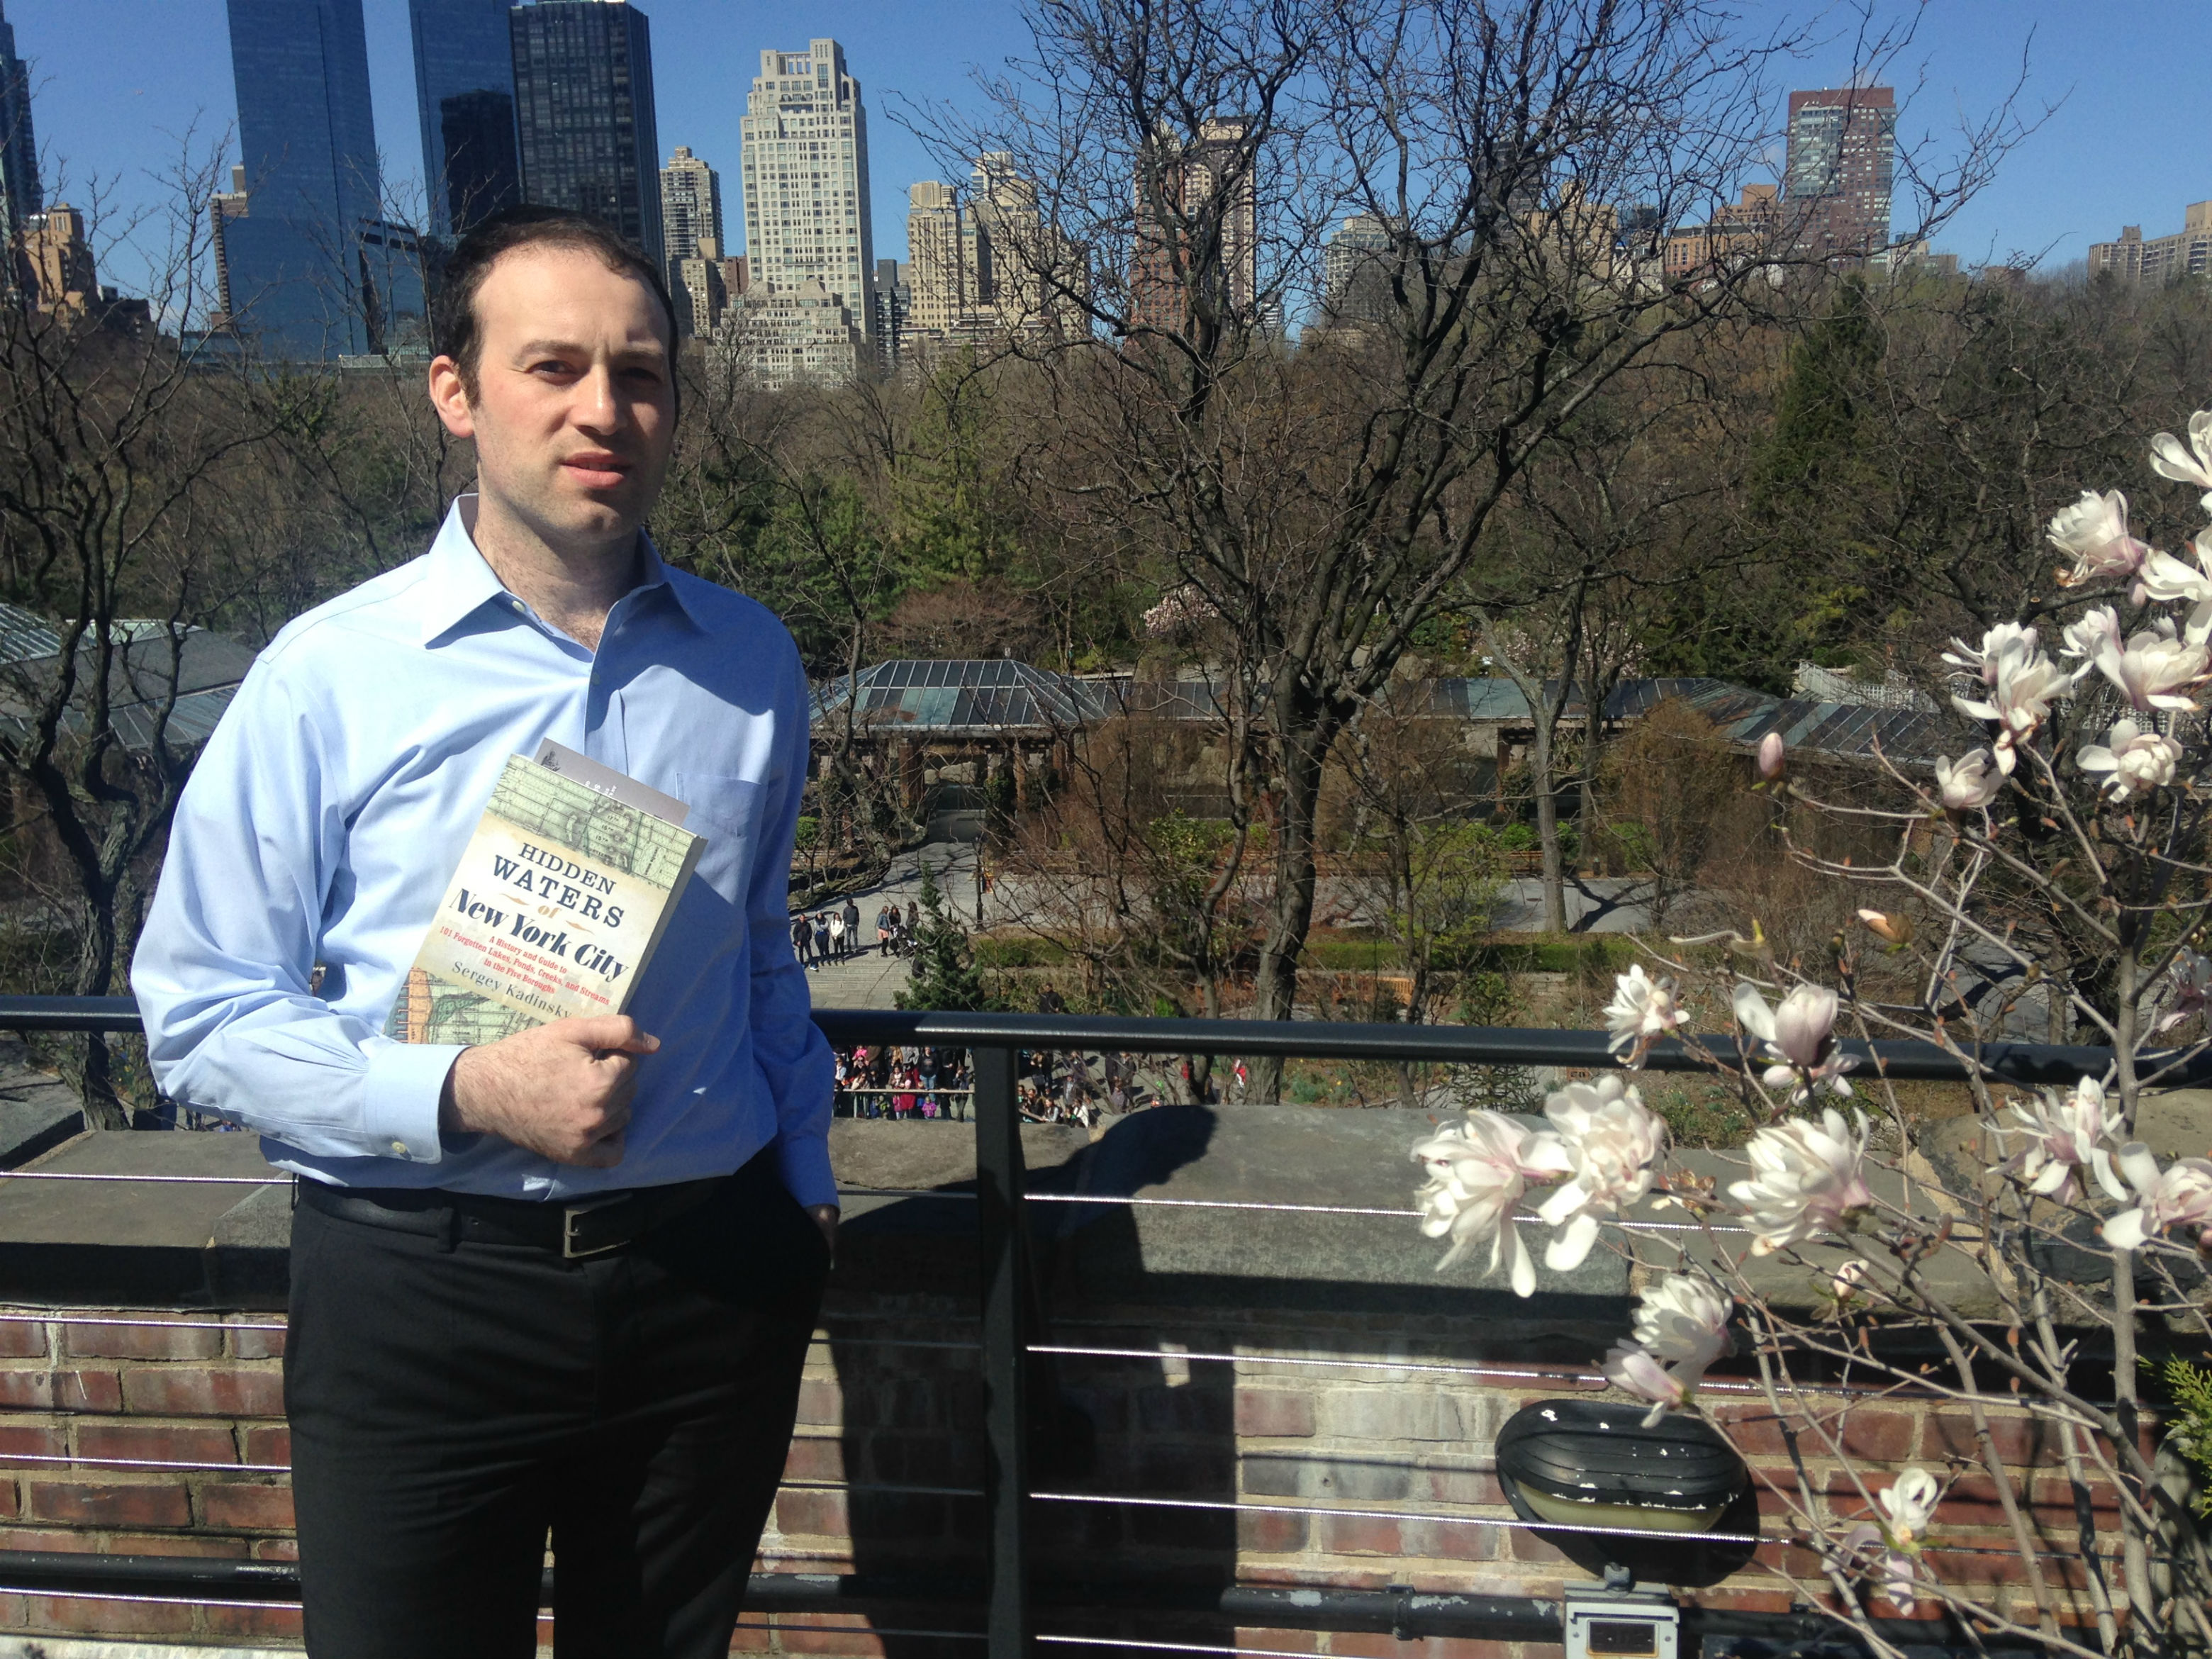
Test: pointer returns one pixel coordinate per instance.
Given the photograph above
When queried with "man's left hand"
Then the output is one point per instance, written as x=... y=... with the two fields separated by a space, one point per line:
x=825 y=1217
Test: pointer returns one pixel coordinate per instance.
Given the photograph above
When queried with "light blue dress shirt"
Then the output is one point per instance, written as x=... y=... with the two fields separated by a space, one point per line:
x=333 y=802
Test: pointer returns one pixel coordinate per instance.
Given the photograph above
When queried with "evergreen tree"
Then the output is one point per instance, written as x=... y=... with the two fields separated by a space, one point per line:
x=1800 y=590
x=944 y=976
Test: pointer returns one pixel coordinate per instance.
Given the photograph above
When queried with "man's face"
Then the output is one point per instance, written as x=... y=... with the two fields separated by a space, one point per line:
x=574 y=412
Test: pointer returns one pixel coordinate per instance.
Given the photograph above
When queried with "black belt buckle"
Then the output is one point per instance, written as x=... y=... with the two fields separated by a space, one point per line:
x=576 y=1231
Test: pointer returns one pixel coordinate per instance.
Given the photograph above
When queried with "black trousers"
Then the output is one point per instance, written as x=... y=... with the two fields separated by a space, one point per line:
x=450 y=1407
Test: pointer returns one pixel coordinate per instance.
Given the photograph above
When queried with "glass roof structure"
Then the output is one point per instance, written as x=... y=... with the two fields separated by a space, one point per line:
x=948 y=702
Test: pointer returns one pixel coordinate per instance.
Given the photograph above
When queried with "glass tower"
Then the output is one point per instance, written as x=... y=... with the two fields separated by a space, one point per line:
x=583 y=93
x=294 y=256
x=20 y=196
x=464 y=94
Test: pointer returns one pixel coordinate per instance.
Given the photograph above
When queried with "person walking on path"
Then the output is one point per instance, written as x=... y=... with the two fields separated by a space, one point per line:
x=563 y=1280
x=852 y=926
x=836 y=935
x=802 y=941
x=884 y=924
x=821 y=941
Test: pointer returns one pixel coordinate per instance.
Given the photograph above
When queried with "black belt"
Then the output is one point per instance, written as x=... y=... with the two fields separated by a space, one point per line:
x=590 y=1226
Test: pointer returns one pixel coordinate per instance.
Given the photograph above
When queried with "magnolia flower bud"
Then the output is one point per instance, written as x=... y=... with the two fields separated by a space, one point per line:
x=1898 y=930
x=1771 y=750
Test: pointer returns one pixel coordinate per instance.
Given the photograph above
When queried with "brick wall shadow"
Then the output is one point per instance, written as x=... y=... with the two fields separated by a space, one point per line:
x=910 y=1399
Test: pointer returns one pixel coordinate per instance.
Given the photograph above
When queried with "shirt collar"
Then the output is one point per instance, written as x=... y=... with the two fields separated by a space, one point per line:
x=460 y=582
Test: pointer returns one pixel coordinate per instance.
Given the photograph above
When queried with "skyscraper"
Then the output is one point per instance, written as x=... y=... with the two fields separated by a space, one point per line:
x=1841 y=165
x=805 y=177
x=464 y=95
x=690 y=207
x=893 y=300
x=20 y=195
x=938 y=256
x=296 y=266
x=583 y=95
x=1357 y=283
x=1192 y=199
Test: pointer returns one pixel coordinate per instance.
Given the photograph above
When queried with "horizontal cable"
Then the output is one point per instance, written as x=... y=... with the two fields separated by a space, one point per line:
x=62 y=1317
x=10 y=1460
x=1728 y=1385
x=1300 y=1359
x=1237 y=1506
x=1343 y=1209
x=1458 y=1045
x=1505 y=1523
x=121 y=1595
x=872 y=1629
x=271 y=1179
x=1173 y=1647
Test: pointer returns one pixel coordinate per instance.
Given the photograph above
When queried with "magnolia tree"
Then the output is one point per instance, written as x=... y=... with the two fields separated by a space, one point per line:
x=2052 y=881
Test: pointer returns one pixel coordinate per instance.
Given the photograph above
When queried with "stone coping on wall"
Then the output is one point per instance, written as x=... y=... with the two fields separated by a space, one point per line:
x=1207 y=1232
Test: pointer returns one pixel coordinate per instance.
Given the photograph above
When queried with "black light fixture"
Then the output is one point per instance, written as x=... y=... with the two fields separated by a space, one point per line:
x=1593 y=1463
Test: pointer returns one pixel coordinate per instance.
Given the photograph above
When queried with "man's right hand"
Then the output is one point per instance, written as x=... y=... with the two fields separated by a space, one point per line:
x=562 y=1089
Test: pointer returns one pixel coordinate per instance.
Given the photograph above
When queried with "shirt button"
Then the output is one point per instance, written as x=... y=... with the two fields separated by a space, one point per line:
x=400 y=1147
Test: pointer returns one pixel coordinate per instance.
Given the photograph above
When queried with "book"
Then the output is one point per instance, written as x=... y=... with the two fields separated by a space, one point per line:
x=556 y=907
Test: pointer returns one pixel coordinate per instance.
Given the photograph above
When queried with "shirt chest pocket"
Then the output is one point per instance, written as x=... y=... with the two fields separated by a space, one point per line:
x=726 y=811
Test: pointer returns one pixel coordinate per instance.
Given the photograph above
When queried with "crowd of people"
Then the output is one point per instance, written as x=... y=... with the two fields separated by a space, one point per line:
x=936 y=1084
x=903 y=1083
x=834 y=935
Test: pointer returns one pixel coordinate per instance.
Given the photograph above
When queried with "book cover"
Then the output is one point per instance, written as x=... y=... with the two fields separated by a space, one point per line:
x=555 y=907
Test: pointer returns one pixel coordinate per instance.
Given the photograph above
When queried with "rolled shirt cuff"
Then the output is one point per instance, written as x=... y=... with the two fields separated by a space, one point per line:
x=406 y=1080
x=805 y=1166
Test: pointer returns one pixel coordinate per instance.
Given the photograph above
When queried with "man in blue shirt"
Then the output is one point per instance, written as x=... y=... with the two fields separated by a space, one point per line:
x=565 y=1281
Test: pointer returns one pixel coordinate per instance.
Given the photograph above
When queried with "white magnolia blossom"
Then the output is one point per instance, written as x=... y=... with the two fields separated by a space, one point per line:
x=2164 y=579
x=2066 y=1134
x=1798 y=1040
x=1910 y=1504
x=1849 y=1281
x=2005 y=640
x=2089 y=636
x=2094 y=529
x=2179 y=1195
x=2139 y=761
x=1772 y=755
x=1643 y=1009
x=1681 y=1328
x=2154 y=668
x=2191 y=465
x=1894 y=1545
x=1805 y=1178
x=2022 y=683
x=1612 y=1146
x=1477 y=1171
x=2192 y=989
x=1970 y=782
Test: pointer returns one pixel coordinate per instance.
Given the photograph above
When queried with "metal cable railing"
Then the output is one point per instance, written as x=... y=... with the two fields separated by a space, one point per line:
x=1007 y=1342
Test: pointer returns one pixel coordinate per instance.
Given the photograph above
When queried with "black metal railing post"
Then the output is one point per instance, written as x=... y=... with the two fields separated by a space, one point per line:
x=1003 y=1260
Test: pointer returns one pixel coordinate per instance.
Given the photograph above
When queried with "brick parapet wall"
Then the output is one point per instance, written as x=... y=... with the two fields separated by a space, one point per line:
x=92 y=1403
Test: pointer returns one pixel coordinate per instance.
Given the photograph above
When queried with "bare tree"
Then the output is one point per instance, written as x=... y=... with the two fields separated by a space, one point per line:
x=1323 y=501
x=117 y=447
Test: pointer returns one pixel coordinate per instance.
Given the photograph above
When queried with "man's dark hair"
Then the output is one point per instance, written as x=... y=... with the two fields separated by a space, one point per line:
x=454 y=324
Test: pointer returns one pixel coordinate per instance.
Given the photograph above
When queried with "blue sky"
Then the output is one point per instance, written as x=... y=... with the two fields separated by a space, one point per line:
x=119 y=81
